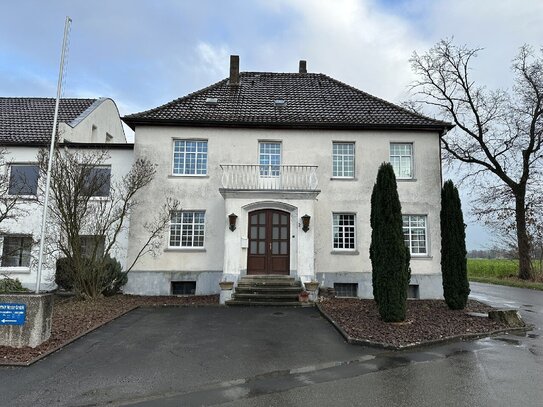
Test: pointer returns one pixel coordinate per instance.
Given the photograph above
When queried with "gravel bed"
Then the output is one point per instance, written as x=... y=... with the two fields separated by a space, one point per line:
x=426 y=321
x=73 y=318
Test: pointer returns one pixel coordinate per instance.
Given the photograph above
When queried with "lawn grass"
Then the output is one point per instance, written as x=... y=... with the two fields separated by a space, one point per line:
x=499 y=271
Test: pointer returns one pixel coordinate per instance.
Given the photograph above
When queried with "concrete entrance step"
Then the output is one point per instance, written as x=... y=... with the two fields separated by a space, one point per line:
x=268 y=304
x=266 y=290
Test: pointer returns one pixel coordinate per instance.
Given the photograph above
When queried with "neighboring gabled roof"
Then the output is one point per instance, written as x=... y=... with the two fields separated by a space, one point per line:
x=25 y=120
x=311 y=101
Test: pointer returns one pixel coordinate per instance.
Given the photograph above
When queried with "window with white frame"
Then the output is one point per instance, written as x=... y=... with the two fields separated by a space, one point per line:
x=187 y=229
x=97 y=180
x=344 y=231
x=343 y=160
x=23 y=179
x=401 y=158
x=16 y=251
x=92 y=244
x=189 y=157
x=269 y=158
x=414 y=232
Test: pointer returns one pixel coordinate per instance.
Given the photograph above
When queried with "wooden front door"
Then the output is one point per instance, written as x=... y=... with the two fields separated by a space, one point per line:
x=269 y=243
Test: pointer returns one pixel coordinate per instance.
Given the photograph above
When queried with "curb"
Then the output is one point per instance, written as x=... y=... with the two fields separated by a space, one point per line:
x=388 y=346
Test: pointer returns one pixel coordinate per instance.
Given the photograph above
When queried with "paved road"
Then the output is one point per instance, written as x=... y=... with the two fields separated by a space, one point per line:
x=279 y=357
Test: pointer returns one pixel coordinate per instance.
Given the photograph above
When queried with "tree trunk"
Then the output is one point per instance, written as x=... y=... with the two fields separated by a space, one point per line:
x=525 y=265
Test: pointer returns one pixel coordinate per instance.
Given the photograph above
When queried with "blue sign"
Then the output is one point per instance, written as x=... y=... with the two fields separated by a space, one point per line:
x=12 y=314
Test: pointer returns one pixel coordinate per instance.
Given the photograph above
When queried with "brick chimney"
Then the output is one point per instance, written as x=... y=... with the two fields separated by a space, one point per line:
x=303 y=66
x=234 y=70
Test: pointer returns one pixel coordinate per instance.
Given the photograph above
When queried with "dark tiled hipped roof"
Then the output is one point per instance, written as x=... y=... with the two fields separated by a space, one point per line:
x=312 y=101
x=30 y=120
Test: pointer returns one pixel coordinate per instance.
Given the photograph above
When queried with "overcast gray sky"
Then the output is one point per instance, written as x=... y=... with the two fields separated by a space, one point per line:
x=145 y=53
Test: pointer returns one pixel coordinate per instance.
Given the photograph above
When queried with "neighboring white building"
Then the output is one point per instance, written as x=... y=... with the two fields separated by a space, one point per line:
x=255 y=155
x=25 y=128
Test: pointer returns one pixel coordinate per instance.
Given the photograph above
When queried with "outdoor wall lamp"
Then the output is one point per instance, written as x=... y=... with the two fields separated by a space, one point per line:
x=305 y=222
x=232 y=221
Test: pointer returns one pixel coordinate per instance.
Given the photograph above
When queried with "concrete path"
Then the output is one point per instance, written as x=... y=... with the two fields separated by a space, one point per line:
x=279 y=357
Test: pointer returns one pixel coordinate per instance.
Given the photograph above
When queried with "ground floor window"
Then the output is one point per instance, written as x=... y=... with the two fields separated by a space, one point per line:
x=187 y=229
x=414 y=232
x=92 y=244
x=16 y=251
x=344 y=231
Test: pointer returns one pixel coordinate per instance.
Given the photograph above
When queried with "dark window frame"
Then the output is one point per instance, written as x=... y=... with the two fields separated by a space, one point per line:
x=29 y=188
x=22 y=252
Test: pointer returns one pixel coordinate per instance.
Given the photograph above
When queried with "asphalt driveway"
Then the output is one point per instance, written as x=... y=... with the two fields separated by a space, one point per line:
x=154 y=352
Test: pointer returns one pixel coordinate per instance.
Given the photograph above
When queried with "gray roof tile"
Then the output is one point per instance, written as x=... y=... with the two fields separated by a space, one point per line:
x=312 y=101
x=25 y=120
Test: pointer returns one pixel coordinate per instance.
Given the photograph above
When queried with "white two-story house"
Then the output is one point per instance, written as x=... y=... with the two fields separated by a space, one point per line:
x=26 y=124
x=274 y=173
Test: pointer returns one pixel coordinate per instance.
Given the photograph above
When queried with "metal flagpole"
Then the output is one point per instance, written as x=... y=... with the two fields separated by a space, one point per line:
x=51 y=150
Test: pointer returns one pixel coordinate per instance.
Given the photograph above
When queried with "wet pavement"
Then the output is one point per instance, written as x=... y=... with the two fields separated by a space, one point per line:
x=280 y=357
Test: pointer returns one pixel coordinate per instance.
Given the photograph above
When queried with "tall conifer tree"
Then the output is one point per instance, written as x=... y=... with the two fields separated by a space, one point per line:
x=453 y=249
x=388 y=254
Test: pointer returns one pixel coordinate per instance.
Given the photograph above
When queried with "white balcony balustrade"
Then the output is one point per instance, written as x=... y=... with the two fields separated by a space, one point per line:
x=269 y=177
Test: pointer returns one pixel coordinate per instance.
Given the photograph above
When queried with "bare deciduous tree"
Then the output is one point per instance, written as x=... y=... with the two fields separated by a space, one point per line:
x=498 y=133
x=89 y=212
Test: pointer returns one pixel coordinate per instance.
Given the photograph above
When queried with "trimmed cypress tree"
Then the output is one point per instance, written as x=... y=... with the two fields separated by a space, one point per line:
x=388 y=254
x=453 y=249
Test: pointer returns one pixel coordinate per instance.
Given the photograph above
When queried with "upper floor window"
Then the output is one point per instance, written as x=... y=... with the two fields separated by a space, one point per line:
x=16 y=251
x=401 y=158
x=269 y=158
x=344 y=231
x=189 y=157
x=97 y=181
x=187 y=228
x=23 y=179
x=343 y=160
x=414 y=232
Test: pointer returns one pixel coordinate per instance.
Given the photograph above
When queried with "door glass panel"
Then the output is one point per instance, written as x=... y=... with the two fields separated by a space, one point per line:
x=262 y=232
x=261 y=247
x=284 y=231
x=254 y=219
x=275 y=233
x=275 y=218
x=253 y=232
x=283 y=247
x=284 y=219
x=262 y=218
x=275 y=248
x=253 y=248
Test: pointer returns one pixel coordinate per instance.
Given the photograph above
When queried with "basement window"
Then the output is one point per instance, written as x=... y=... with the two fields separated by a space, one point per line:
x=413 y=291
x=212 y=101
x=183 y=287
x=280 y=102
x=346 y=289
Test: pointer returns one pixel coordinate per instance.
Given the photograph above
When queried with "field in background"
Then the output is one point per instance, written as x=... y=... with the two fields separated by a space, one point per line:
x=498 y=271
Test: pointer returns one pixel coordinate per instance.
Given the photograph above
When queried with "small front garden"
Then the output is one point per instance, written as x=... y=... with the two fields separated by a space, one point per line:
x=73 y=318
x=426 y=322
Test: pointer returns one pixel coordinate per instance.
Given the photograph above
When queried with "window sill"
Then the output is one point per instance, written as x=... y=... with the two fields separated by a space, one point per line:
x=186 y=249
x=406 y=179
x=421 y=257
x=10 y=270
x=343 y=179
x=99 y=198
x=188 y=176
x=345 y=252
x=22 y=197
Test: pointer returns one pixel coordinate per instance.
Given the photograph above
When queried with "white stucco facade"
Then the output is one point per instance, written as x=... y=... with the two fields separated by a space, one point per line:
x=312 y=256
